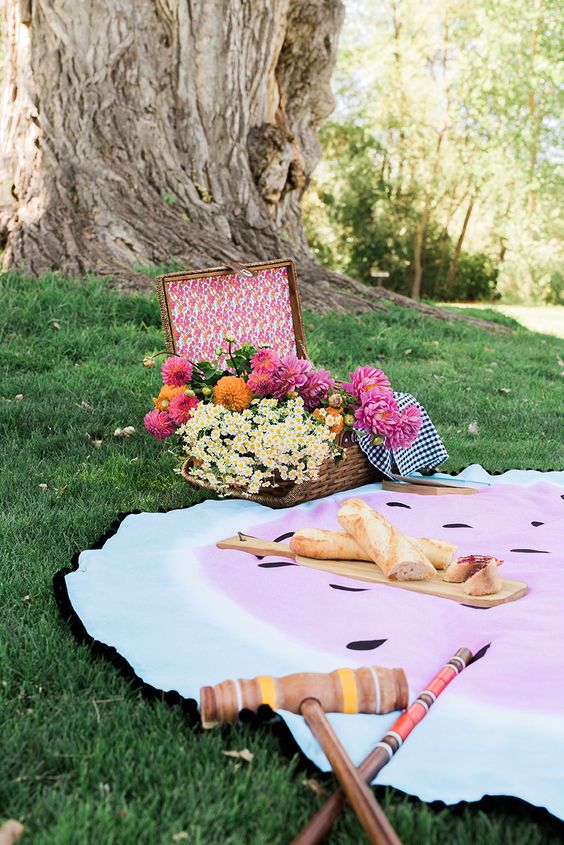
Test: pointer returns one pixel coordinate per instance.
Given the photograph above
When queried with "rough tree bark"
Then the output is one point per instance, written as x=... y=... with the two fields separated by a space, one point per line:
x=137 y=132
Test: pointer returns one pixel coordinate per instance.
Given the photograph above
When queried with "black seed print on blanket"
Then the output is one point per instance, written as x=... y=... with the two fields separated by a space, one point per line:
x=365 y=645
x=349 y=589
x=275 y=564
x=457 y=525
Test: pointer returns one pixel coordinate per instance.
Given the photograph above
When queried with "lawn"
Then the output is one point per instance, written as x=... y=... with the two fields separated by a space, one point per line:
x=84 y=757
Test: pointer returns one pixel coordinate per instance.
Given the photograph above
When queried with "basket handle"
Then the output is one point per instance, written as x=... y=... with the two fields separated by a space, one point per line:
x=240 y=269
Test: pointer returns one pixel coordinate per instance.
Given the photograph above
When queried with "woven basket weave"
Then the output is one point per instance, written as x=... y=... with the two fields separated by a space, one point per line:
x=353 y=471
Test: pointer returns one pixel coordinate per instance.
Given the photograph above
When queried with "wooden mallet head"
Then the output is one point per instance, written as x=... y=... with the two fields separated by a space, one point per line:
x=371 y=689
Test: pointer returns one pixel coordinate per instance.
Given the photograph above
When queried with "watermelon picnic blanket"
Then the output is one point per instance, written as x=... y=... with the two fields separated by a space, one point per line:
x=184 y=614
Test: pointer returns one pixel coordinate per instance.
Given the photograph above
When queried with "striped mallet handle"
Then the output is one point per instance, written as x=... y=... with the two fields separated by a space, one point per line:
x=321 y=823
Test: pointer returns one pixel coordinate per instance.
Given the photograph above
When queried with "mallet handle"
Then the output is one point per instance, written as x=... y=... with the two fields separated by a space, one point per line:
x=321 y=823
x=370 y=815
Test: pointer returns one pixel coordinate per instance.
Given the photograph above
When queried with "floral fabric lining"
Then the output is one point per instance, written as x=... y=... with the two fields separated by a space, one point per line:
x=256 y=309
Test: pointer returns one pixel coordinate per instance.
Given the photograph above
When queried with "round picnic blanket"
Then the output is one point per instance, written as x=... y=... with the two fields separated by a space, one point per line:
x=184 y=614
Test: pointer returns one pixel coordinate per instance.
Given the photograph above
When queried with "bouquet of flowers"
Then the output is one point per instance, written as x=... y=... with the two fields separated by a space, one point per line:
x=253 y=418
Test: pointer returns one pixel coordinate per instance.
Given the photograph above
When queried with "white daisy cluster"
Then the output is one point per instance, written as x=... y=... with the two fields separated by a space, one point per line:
x=269 y=442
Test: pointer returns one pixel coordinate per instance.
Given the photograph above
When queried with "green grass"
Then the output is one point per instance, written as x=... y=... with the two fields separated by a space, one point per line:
x=86 y=759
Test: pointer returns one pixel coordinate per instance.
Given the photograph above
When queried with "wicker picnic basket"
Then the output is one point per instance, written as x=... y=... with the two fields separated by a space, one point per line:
x=354 y=471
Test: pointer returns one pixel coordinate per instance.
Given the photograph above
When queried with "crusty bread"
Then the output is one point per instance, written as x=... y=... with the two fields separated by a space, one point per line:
x=321 y=544
x=466 y=567
x=484 y=582
x=439 y=552
x=326 y=545
x=396 y=556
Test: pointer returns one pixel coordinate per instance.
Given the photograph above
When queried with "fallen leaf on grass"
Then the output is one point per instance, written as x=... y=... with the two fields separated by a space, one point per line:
x=18 y=397
x=128 y=431
x=43 y=486
x=245 y=755
x=181 y=836
x=97 y=444
x=55 y=325
x=473 y=428
x=407 y=351
x=315 y=786
x=86 y=406
x=504 y=390
x=26 y=598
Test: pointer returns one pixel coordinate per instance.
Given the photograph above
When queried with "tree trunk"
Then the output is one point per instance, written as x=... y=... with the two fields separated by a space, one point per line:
x=136 y=133
x=453 y=264
x=160 y=130
x=418 y=251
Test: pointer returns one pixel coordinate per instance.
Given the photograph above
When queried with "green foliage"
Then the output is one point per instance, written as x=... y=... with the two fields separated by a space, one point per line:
x=208 y=373
x=85 y=759
x=442 y=168
x=361 y=226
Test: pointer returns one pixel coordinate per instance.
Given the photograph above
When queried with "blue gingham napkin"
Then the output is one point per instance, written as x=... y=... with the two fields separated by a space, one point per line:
x=427 y=452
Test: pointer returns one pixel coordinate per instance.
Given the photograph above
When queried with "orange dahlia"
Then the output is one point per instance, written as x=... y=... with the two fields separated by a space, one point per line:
x=232 y=392
x=338 y=426
x=331 y=412
x=168 y=392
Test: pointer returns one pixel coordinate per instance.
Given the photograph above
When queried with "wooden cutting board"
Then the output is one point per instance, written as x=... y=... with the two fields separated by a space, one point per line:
x=366 y=571
x=427 y=490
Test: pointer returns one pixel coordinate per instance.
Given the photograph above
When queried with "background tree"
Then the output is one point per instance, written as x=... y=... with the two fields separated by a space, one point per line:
x=448 y=119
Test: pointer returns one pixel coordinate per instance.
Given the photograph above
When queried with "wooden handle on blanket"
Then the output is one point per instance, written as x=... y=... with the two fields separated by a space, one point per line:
x=320 y=824
x=370 y=815
x=373 y=689
x=256 y=546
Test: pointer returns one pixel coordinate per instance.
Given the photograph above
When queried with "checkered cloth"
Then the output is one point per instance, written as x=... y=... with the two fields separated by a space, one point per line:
x=427 y=452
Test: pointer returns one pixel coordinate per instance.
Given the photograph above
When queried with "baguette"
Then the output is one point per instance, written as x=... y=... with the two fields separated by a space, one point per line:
x=398 y=558
x=321 y=544
x=326 y=545
x=439 y=552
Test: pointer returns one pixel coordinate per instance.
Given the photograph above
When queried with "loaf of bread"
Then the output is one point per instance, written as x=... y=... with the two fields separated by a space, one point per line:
x=398 y=558
x=439 y=552
x=321 y=544
x=326 y=545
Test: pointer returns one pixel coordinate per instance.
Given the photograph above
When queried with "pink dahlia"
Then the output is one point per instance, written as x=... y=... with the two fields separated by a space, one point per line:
x=378 y=413
x=176 y=371
x=366 y=378
x=159 y=424
x=266 y=360
x=407 y=429
x=260 y=382
x=316 y=388
x=290 y=375
x=181 y=407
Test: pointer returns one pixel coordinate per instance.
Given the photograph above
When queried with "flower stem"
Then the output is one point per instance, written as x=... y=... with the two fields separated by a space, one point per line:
x=232 y=359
